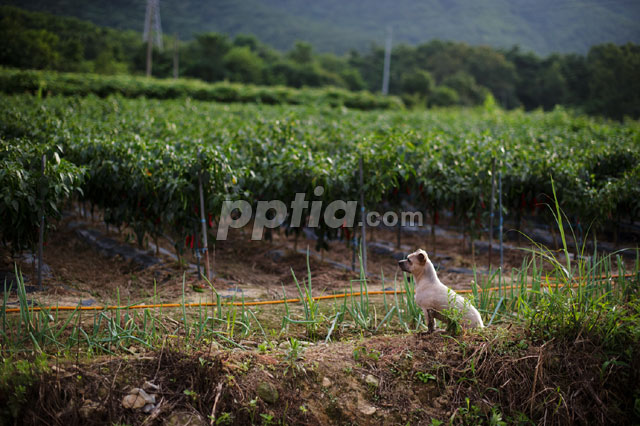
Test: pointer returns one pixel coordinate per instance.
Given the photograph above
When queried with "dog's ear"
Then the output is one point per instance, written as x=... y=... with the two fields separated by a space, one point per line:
x=421 y=258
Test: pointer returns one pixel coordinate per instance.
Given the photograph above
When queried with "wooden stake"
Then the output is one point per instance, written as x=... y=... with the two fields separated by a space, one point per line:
x=41 y=237
x=364 y=224
x=493 y=195
x=205 y=244
x=500 y=213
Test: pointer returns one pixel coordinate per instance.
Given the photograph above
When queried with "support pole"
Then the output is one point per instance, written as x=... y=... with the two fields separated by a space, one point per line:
x=41 y=237
x=198 y=256
x=364 y=224
x=501 y=219
x=491 y=215
x=205 y=244
x=354 y=250
x=399 y=233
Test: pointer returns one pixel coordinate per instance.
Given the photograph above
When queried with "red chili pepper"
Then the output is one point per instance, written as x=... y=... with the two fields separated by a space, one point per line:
x=482 y=204
x=210 y=221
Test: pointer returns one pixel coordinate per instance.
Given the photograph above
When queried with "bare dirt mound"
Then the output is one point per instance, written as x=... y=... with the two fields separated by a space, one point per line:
x=399 y=379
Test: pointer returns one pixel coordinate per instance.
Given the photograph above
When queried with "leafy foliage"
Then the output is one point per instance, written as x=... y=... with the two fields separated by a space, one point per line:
x=27 y=194
x=15 y=81
x=143 y=158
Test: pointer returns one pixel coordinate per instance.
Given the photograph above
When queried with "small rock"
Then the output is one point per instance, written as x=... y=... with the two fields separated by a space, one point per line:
x=138 y=398
x=285 y=345
x=326 y=382
x=89 y=408
x=133 y=402
x=149 y=399
x=148 y=408
x=267 y=392
x=181 y=418
x=366 y=408
x=372 y=381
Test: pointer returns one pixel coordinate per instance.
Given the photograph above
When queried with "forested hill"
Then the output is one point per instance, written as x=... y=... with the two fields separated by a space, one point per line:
x=543 y=26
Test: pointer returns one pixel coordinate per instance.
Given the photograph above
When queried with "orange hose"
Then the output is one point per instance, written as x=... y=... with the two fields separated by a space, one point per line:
x=268 y=302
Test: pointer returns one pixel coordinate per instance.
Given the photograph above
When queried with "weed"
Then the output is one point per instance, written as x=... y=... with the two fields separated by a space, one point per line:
x=425 y=377
x=225 y=418
x=361 y=353
x=16 y=378
x=191 y=394
x=267 y=419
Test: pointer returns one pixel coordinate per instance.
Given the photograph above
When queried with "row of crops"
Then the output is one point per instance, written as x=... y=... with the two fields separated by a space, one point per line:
x=139 y=160
x=77 y=84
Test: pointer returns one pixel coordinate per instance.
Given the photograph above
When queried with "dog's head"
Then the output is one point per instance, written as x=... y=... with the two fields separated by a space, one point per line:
x=415 y=262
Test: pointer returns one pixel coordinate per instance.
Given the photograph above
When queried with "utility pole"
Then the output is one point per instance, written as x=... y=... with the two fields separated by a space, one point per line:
x=387 y=62
x=151 y=24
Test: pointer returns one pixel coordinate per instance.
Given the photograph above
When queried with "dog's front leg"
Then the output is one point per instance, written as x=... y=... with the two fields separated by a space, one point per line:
x=430 y=319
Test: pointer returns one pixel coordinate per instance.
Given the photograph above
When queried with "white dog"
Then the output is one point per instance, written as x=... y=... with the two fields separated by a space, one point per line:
x=434 y=297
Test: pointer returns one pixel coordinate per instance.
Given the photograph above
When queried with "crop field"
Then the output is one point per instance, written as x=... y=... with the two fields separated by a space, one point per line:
x=292 y=327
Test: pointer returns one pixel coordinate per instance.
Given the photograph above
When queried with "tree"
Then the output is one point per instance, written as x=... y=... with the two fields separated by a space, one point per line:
x=443 y=96
x=205 y=57
x=242 y=65
x=613 y=84
x=417 y=81
x=302 y=53
x=470 y=92
x=28 y=48
x=352 y=79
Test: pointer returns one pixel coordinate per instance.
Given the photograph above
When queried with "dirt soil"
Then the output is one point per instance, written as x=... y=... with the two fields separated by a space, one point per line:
x=80 y=273
x=366 y=380
x=383 y=380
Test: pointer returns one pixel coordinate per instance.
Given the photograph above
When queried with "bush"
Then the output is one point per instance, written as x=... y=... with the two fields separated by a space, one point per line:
x=72 y=84
x=443 y=96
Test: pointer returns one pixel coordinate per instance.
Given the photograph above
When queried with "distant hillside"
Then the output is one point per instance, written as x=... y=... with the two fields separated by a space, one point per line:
x=543 y=26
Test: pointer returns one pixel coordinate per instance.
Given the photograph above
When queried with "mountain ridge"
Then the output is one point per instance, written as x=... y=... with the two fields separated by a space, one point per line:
x=337 y=26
